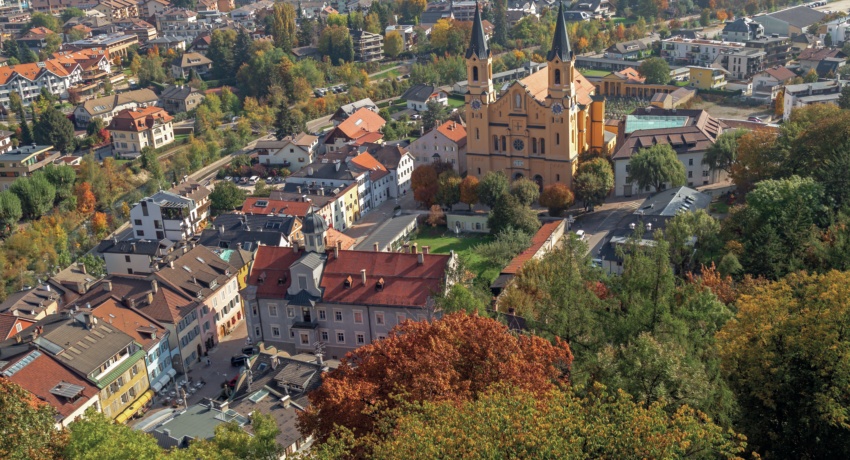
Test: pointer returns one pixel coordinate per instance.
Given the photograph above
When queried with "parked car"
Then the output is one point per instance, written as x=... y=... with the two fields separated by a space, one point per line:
x=755 y=119
x=596 y=263
x=406 y=76
x=249 y=351
x=228 y=178
x=581 y=235
x=415 y=116
x=253 y=180
x=232 y=382
x=239 y=360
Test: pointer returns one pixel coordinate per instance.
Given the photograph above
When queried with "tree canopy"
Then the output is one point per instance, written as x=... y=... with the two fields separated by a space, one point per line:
x=657 y=166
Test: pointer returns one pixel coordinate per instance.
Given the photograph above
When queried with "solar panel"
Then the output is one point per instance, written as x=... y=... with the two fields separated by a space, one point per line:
x=257 y=396
x=68 y=390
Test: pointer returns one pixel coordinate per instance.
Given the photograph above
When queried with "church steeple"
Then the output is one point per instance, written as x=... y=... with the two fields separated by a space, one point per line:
x=478 y=41
x=561 y=41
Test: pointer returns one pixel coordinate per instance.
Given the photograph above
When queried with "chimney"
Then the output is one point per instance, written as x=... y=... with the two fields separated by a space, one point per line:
x=415 y=248
x=295 y=247
x=336 y=249
x=298 y=189
x=406 y=248
x=421 y=258
x=426 y=249
x=375 y=247
x=150 y=298
x=107 y=285
x=82 y=267
x=154 y=286
x=363 y=276
x=648 y=227
x=170 y=264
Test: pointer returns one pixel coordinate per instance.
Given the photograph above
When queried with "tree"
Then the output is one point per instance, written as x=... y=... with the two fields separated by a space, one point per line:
x=679 y=233
x=505 y=246
x=844 y=98
x=393 y=44
x=448 y=188
x=71 y=13
x=436 y=216
x=227 y=197
x=54 y=128
x=63 y=178
x=510 y=212
x=560 y=423
x=455 y=358
x=26 y=134
x=424 y=183
x=811 y=76
x=44 y=20
x=557 y=198
x=335 y=42
x=594 y=181
x=261 y=443
x=757 y=159
x=791 y=409
x=283 y=27
x=526 y=191
x=95 y=266
x=95 y=436
x=86 y=200
x=221 y=53
x=721 y=155
x=411 y=10
x=28 y=426
x=10 y=212
x=434 y=115
x=36 y=194
x=656 y=166
x=493 y=185
x=500 y=22
x=469 y=191
x=150 y=163
x=655 y=70
x=286 y=122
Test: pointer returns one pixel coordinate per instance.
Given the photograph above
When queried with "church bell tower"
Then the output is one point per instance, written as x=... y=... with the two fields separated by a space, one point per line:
x=561 y=64
x=479 y=65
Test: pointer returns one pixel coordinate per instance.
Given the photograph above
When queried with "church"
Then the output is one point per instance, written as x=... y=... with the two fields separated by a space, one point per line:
x=537 y=127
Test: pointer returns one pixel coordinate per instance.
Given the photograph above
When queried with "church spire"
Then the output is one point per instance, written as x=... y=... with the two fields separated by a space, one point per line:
x=478 y=42
x=561 y=41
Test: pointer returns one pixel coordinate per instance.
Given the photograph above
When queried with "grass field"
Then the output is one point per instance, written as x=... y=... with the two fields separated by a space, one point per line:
x=593 y=73
x=456 y=101
x=391 y=74
x=441 y=241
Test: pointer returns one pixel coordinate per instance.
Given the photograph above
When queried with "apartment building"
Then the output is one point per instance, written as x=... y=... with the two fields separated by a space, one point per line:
x=27 y=80
x=398 y=161
x=292 y=153
x=338 y=205
x=95 y=67
x=115 y=10
x=113 y=45
x=777 y=50
x=368 y=47
x=340 y=299
x=742 y=63
x=822 y=92
x=134 y=129
x=106 y=107
x=341 y=170
x=707 y=77
x=445 y=143
x=700 y=52
x=134 y=256
x=24 y=162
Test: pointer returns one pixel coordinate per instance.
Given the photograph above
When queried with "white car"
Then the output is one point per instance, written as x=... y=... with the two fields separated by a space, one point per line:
x=581 y=235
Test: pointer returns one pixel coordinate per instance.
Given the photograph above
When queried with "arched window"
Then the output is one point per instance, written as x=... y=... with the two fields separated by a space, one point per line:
x=533 y=145
x=475 y=73
x=504 y=144
x=476 y=133
x=542 y=146
x=496 y=143
x=518 y=101
x=557 y=76
x=557 y=138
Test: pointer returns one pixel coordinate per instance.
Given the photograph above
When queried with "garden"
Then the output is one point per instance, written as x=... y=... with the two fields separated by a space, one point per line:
x=440 y=240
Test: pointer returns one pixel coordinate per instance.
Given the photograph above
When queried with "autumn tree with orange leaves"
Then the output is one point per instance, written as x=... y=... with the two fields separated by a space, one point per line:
x=28 y=426
x=455 y=358
x=85 y=198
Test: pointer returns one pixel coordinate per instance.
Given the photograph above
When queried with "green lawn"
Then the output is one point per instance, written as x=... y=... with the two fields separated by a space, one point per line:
x=180 y=138
x=441 y=241
x=456 y=101
x=719 y=207
x=594 y=73
x=391 y=74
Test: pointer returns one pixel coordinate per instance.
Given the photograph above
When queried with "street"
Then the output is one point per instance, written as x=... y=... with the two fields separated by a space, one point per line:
x=605 y=218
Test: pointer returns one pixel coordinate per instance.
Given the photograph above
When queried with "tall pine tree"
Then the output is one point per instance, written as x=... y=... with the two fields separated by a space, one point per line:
x=26 y=134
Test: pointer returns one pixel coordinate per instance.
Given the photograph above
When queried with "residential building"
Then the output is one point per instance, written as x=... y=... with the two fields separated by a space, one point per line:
x=28 y=80
x=292 y=153
x=651 y=216
x=823 y=61
x=379 y=180
x=434 y=12
x=708 y=77
x=10 y=325
x=391 y=236
x=838 y=30
x=340 y=170
x=147 y=333
x=108 y=358
x=741 y=63
x=407 y=32
x=113 y=45
x=463 y=10
x=169 y=42
x=174 y=18
x=167 y=215
x=699 y=52
x=741 y=30
x=5 y=141
x=445 y=143
x=598 y=9
x=182 y=66
x=398 y=161
x=822 y=92
x=338 y=205
x=72 y=282
x=201 y=44
x=33 y=303
x=132 y=130
x=347 y=110
x=368 y=47
x=805 y=41
x=777 y=50
x=364 y=125
x=133 y=256
x=790 y=21
x=152 y=8
x=536 y=127
x=49 y=380
x=36 y=38
x=342 y=299
x=24 y=161
x=96 y=68
x=632 y=50
x=767 y=84
x=115 y=10
x=180 y=98
x=247 y=231
x=106 y=107
x=689 y=132
x=544 y=241
x=418 y=96
x=306 y=52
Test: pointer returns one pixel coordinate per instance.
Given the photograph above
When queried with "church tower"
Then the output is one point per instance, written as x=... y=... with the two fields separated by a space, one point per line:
x=561 y=62
x=315 y=231
x=479 y=65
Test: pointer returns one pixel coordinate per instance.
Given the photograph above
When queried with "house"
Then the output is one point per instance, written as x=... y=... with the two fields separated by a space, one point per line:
x=292 y=153
x=169 y=42
x=24 y=162
x=822 y=92
x=467 y=221
x=151 y=8
x=777 y=49
x=651 y=216
x=767 y=84
x=113 y=45
x=407 y=32
x=707 y=77
x=147 y=333
x=247 y=231
x=32 y=304
x=201 y=44
x=391 y=236
x=446 y=142
x=180 y=98
x=339 y=205
x=545 y=240
x=418 y=96
x=105 y=108
x=598 y=9
x=838 y=31
x=805 y=41
x=11 y=325
x=51 y=382
x=175 y=214
x=368 y=47
x=27 y=80
x=823 y=61
x=379 y=181
x=132 y=130
x=434 y=12
x=689 y=132
x=183 y=65
x=742 y=30
x=346 y=110
x=363 y=125
x=344 y=299
x=633 y=50
x=36 y=38
x=577 y=16
x=789 y=22
x=306 y=52
x=398 y=161
x=133 y=256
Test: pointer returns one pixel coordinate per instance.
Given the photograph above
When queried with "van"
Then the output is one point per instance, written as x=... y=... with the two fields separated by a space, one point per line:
x=581 y=235
x=253 y=180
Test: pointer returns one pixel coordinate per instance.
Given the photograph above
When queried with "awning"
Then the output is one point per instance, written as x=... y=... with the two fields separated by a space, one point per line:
x=133 y=408
x=157 y=386
x=162 y=380
x=172 y=372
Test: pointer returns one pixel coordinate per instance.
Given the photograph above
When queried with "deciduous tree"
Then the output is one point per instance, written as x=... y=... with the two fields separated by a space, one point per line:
x=36 y=194
x=86 y=200
x=448 y=189
x=657 y=166
x=469 y=191
x=54 y=128
x=721 y=155
x=28 y=426
x=758 y=159
x=510 y=212
x=283 y=27
x=525 y=190
x=493 y=185
x=10 y=212
x=594 y=181
x=393 y=44
x=557 y=198
x=424 y=182
x=655 y=70
x=226 y=197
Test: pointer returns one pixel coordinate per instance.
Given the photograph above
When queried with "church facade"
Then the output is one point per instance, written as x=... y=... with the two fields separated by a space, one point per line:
x=538 y=126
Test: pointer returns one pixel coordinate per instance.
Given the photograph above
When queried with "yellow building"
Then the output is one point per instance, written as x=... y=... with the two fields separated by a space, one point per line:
x=539 y=125
x=351 y=201
x=707 y=77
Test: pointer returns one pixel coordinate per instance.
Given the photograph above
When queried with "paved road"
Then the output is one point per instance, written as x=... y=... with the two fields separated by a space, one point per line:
x=374 y=218
x=605 y=218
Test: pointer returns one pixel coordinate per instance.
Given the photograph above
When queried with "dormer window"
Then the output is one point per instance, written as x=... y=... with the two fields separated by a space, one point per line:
x=379 y=286
x=347 y=283
x=280 y=281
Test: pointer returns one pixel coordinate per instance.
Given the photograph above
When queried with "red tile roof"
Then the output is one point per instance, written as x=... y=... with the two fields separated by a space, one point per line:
x=272 y=264
x=780 y=73
x=130 y=322
x=360 y=123
x=334 y=235
x=140 y=119
x=454 y=131
x=406 y=281
x=369 y=137
x=537 y=242
x=31 y=71
x=366 y=161
x=292 y=208
x=42 y=374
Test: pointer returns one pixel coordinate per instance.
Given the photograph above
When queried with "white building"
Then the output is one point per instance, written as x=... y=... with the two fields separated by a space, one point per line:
x=688 y=51
x=175 y=214
x=57 y=75
x=822 y=92
x=134 y=129
x=133 y=256
x=106 y=107
x=291 y=153
x=445 y=143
